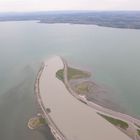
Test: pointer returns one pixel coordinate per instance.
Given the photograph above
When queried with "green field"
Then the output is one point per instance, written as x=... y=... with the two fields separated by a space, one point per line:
x=42 y=121
x=60 y=75
x=72 y=74
x=77 y=74
x=115 y=122
x=138 y=130
x=82 y=88
x=37 y=122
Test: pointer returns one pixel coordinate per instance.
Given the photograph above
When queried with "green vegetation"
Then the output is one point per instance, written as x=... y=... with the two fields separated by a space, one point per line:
x=42 y=121
x=138 y=130
x=72 y=74
x=82 y=88
x=127 y=19
x=115 y=122
x=36 y=122
x=77 y=74
x=60 y=75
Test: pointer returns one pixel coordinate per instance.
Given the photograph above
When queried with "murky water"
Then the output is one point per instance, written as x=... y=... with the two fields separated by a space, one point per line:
x=112 y=55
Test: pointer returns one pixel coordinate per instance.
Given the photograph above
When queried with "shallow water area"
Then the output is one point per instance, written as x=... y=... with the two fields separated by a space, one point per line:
x=112 y=55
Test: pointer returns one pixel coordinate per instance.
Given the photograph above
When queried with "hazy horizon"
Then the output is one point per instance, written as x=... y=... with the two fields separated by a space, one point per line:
x=62 y=5
x=68 y=11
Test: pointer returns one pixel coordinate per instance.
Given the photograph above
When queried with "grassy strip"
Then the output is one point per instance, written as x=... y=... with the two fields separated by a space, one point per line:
x=60 y=75
x=77 y=74
x=115 y=122
x=72 y=74
x=82 y=88
x=42 y=121
x=36 y=122
x=138 y=130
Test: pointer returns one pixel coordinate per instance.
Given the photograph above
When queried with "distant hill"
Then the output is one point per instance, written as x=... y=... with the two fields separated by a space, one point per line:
x=115 y=19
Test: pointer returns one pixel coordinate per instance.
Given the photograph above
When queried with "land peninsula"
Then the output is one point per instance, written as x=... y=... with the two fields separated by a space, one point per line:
x=68 y=112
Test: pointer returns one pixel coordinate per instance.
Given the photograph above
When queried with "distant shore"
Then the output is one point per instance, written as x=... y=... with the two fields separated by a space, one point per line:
x=113 y=19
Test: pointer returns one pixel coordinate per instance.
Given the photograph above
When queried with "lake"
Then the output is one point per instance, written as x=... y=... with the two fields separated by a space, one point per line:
x=112 y=55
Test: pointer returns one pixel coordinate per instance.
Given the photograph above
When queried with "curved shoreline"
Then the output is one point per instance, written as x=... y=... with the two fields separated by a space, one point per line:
x=100 y=109
x=55 y=131
x=135 y=120
x=60 y=128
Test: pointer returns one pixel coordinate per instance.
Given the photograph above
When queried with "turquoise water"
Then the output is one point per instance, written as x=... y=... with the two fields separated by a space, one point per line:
x=112 y=55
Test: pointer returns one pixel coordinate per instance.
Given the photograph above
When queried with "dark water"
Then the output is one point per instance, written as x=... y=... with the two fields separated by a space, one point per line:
x=112 y=55
x=17 y=106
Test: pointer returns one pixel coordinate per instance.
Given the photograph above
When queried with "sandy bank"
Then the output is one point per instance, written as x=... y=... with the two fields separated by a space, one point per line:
x=76 y=120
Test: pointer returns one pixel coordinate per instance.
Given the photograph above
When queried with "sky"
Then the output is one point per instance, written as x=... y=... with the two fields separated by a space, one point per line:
x=54 y=5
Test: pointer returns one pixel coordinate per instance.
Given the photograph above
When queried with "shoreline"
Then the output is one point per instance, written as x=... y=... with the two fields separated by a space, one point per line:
x=76 y=95
x=53 y=128
x=58 y=125
x=95 y=93
x=101 y=109
x=98 y=25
